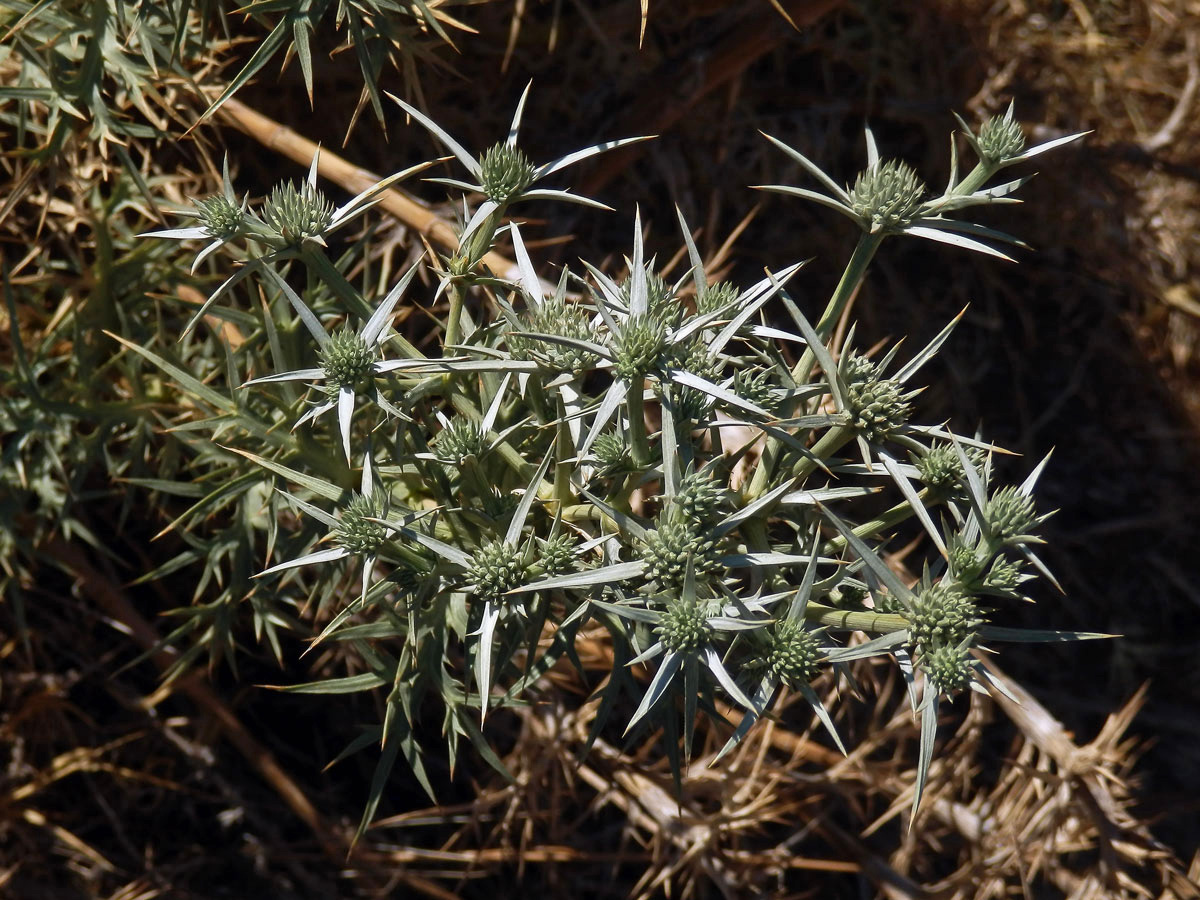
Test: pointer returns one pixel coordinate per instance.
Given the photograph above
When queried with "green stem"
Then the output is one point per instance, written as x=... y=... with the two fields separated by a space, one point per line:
x=458 y=297
x=830 y=443
x=581 y=513
x=564 y=450
x=639 y=444
x=882 y=623
x=975 y=180
x=890 y=519
x=852 y=278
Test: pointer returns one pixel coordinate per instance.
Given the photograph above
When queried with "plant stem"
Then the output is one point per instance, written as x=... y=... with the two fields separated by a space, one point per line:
x=639 y=445
x=893 y=517
x=565 y=451
x=974 y=180
x=881 y=623
x=852 y=278
x=831 y=441
x=458 y=296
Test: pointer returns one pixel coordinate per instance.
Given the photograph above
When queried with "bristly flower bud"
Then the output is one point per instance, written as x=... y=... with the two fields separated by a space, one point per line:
x=562 y=320
x=611 y=452
x=755 y=387
x=639 y=349
x=461 y=440
x=942 y=616
x=506 y=172
x=699 y=498
x=497 y=568
x=1000 y=138
x=715 y=297
x=221 y=217
x=558 y=555
x=948 y=668
x=346 y=359
x=668 y=548
x=298 y=214
x=965 y=561
x=877 y=406
x=684 y=628
x=941 y=470
x=793 y=654
x=1010 y=514
x=355 y=532
x=1004 y=578
x=888 y=195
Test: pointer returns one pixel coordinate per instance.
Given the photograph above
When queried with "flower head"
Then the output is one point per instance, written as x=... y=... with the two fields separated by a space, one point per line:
x=888 y=195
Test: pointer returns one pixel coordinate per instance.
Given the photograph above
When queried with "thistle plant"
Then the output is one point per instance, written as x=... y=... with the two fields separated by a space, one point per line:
x=568 y=460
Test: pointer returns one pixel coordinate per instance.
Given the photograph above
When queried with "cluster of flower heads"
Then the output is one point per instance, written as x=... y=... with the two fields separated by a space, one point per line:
x=660 y=457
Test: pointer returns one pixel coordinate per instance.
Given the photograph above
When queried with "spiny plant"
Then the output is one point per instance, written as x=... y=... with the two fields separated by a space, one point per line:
x=576 y=455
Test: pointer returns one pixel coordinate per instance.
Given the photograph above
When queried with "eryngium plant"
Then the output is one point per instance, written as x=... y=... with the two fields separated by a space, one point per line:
x=617 y=449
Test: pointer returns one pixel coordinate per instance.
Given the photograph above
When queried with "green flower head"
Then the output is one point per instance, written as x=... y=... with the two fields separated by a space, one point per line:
x=793 y=654
x=948 y=668
x=888 y=195
x=346 y=359
x=877 y=406
x=504 y=173
x=1010 y=514
x=355 y=532
x=943 y=615
x=221 y=216
x=715 y=297
x=684 y=627
x=1000 y=138
x=562 y=320
x=668 y=548
x=699 y=497
x=640 y=348
x=497 y=568
x=461 y=440
x=298 y=214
